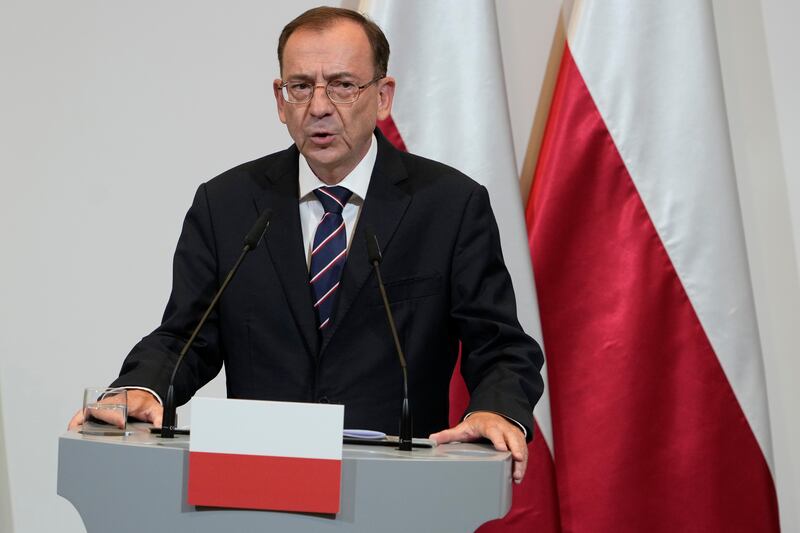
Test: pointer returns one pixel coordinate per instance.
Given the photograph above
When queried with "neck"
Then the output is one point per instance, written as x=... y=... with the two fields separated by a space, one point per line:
x=330 y=179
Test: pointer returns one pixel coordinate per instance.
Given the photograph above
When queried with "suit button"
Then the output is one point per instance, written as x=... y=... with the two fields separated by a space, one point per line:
x=324 y=399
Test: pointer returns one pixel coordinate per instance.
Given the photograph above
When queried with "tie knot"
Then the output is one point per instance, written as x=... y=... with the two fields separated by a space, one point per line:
x=333 y=199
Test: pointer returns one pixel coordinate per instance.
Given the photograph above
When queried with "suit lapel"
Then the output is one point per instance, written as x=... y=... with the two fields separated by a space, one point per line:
x=285 y=243
x=384 y=207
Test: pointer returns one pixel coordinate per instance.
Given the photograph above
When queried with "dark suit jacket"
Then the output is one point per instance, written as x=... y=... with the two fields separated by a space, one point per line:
x=444 y=276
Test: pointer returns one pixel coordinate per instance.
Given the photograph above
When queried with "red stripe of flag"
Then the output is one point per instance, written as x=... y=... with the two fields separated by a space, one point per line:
x=260 y=482
x=389 y=130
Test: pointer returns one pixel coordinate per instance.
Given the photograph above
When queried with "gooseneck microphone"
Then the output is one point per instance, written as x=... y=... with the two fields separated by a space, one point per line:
x=375 y=258
x=251 y=240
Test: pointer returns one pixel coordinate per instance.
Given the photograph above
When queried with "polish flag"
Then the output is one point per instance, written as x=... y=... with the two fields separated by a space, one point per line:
x=657 y=394
x=249 y=454
x=451 y=106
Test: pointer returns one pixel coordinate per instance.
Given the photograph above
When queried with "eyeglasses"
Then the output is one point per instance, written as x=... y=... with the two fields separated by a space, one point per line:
x=339 y=91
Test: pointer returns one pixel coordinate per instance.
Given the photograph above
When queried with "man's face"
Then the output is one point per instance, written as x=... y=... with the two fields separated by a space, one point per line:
x=332 y=137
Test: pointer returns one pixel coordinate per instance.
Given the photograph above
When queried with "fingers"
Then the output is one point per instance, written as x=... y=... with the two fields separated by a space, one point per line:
x=141 y=405
x=144 y=406
x=518 y=473
x=519 y=452
x=76 y=420
x=498 y=438
x=460 y=433
x=157 y=416
x=504 y=436
x=152 y=412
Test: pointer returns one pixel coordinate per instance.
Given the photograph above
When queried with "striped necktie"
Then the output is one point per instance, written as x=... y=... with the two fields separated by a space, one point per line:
x=329 y=252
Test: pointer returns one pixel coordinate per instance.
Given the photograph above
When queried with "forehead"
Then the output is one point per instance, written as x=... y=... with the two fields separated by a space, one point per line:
x=341 y=47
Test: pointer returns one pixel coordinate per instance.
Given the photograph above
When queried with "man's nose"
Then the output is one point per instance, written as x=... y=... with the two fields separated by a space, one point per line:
x=320 y=104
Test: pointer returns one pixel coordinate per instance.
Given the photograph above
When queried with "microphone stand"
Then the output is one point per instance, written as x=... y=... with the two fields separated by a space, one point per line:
x=252 y=240
x=375 y=258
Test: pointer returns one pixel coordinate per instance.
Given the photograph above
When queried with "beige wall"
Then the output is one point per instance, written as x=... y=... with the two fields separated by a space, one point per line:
x=5 y=489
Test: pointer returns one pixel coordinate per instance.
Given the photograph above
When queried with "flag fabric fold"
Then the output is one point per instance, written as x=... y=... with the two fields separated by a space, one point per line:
x=656 y=379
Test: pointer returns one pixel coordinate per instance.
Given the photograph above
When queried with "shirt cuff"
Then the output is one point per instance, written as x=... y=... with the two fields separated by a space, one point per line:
x=151 y=391
x=524 y=431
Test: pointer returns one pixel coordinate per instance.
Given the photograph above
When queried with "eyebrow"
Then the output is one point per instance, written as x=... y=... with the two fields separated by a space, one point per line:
x=331 y=76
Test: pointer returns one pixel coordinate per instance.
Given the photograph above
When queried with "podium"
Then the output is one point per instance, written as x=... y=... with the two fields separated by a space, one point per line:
x=138 y=483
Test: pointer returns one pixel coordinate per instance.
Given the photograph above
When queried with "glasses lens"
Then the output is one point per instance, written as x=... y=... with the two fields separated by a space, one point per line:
x=297 y=92
x=342 y=92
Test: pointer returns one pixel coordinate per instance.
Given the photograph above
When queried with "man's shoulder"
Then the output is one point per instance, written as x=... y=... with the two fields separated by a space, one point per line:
x=426 y=174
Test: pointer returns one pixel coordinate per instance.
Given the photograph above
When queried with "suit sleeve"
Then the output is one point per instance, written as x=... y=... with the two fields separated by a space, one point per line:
x=500 y=363
x=195 y=278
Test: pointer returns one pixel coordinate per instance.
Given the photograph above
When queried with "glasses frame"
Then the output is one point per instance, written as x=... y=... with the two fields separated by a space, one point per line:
x=285 y=92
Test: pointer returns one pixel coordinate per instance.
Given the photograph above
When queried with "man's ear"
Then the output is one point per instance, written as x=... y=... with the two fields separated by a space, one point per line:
x=385 y=97
x=276 y=88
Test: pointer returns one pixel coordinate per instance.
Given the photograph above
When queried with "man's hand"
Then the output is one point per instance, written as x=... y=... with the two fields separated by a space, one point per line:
x=141 y=405
x=505 y=435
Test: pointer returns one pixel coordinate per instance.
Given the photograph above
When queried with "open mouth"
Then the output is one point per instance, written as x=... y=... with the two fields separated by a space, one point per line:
x=322 y=137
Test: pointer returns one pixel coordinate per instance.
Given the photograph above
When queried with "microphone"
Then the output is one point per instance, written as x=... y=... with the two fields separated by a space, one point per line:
x=375 y=258
x=251 y=240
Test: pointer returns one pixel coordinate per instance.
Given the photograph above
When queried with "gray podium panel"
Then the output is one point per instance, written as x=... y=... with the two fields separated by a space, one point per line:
x=138 y=483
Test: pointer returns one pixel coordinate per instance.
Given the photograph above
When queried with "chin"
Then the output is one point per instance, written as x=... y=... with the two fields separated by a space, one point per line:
x=324 y=158
x=326 y=154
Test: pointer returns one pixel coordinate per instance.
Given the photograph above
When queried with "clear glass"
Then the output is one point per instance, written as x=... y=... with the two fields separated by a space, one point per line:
x=105 y=411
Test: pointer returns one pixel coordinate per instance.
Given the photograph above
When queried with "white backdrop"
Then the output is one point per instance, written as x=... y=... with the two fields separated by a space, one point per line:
x=111 y=113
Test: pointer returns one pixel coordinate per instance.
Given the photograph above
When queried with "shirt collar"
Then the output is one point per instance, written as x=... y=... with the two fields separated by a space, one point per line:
x=357 y=181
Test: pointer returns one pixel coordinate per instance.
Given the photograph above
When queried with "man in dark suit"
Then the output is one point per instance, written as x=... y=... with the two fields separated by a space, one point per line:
x=302 y=321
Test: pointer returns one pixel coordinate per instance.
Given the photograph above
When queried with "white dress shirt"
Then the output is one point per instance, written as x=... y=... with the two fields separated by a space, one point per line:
x=311 y=210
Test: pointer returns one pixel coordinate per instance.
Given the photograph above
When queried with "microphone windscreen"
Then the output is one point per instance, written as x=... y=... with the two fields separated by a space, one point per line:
x=254 y=235
x=373 y=250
